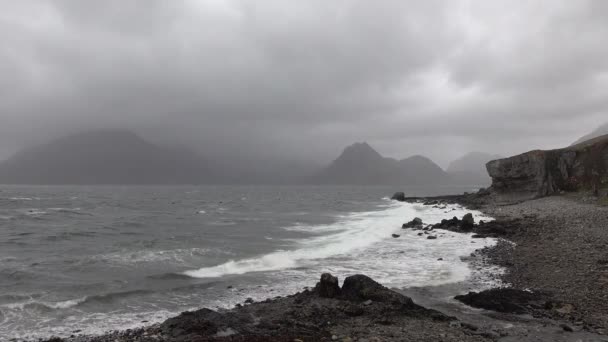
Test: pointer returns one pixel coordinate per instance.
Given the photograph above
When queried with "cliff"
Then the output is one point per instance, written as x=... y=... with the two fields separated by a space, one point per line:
x=542 y=173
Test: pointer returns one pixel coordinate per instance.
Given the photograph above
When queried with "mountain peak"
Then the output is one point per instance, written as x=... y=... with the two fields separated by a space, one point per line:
x=360 y=151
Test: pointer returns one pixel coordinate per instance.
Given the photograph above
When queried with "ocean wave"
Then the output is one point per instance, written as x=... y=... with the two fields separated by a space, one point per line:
x=354 y=231
x=44 y=306
x=178 y=256
x=41 y=305
x=351 y=235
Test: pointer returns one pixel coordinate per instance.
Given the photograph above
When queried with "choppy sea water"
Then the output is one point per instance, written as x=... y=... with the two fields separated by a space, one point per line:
x=93 y=259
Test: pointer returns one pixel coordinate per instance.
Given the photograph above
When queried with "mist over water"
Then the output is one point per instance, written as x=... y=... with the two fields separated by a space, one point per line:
x=101 y=258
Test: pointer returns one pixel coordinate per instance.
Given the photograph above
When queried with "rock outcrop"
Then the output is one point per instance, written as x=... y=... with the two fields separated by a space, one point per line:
x=543 y=173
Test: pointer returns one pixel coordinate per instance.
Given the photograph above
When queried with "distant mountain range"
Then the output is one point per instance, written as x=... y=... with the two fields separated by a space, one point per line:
x=601 y=130
x=122 y=157
x=103 y=157
x=361 y=164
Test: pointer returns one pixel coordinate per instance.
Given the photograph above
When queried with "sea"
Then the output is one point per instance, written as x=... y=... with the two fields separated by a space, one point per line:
x=90 y=259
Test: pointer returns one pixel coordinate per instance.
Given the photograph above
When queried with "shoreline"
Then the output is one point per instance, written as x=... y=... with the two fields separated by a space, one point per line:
x=563 y=315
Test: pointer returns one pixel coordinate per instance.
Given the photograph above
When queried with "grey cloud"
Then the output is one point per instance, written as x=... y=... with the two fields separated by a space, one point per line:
x=303 y=79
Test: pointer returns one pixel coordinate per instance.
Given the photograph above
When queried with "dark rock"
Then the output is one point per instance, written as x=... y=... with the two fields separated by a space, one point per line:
x=468 y=222
x=198 y=322
x=328 y=286
x=543 y=173
x=399 y=196
x=504 y=300
x=395 y=235
x=361 y=288
x=415 y=223
x=566 y=327
x=249 y=301
x=431 y=237
x=451 y=224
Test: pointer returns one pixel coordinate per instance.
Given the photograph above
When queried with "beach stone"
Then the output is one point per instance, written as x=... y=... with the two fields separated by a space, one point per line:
x=328 y=286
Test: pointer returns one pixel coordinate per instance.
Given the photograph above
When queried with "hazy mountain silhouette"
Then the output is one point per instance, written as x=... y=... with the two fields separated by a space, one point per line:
x=471 y=168
x=361 y=164
x=601 y=130
x=104 y=157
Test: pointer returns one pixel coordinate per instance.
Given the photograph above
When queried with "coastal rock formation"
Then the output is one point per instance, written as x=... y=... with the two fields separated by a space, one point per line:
x=328 y=286
x=505 y=300
x=364 y=310
x=415 y=223
x=542 y=173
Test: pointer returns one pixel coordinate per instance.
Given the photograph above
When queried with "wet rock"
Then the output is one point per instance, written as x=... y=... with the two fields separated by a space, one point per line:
x=395 y=235
x=504 y=300
x=415 y=223
x=328 y=286
x=362 y=288
x=192 y=323
x=399 y=196
x=431 y=237
x=468 y=222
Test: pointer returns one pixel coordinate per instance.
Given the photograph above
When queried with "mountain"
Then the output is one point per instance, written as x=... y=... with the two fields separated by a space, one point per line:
x=103 y=157
x=471 y=168
x=360 y=164
x=602 y=130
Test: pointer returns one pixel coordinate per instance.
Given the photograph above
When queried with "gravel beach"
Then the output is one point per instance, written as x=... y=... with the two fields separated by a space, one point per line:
x=562 y=249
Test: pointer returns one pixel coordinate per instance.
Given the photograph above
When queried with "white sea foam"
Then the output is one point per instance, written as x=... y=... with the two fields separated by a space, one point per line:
x=177 y=256
x=66 y=304
x=362 y=243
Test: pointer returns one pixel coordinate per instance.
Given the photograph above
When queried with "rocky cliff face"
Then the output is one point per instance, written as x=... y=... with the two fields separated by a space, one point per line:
x=543 y=173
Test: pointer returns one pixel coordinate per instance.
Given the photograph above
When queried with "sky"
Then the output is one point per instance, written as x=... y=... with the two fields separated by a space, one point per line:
x=301 y=80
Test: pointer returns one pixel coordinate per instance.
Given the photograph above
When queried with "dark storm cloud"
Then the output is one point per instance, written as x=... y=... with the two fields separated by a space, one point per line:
x=305 y=78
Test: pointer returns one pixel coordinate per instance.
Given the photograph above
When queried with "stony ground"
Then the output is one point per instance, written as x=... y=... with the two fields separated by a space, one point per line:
x=362 y=310
x=562 y=249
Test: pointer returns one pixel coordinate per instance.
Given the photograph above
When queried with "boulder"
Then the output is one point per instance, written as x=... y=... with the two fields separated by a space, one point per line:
x=361 y=288
x=415 y=223
x=504 y=300
x=328 y=286
x=399 y=196
x=468 y=222
x=451 y=224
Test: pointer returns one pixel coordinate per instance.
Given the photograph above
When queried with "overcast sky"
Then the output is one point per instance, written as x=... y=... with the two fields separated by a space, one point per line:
x=303 y=79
